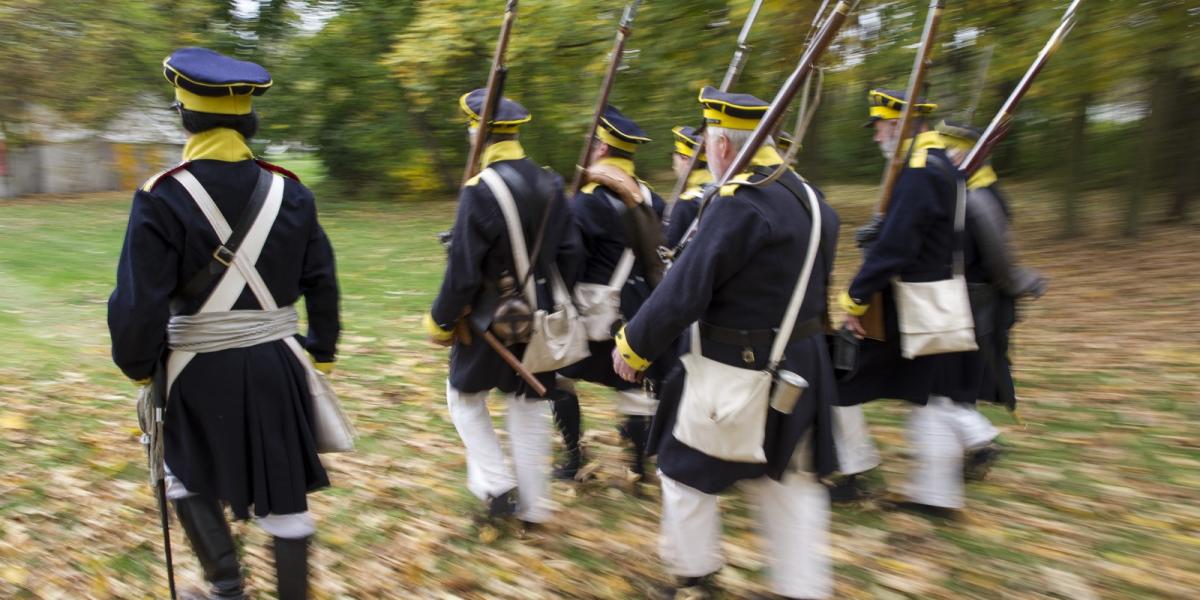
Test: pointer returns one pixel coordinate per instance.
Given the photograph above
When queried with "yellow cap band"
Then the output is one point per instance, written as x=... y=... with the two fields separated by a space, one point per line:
x=474 y=124
x=883 y=112
x=607 y=137
x=720 y=119
x=220 y=105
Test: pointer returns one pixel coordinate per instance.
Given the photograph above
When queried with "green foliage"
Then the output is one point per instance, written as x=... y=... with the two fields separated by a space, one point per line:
x=374 y=85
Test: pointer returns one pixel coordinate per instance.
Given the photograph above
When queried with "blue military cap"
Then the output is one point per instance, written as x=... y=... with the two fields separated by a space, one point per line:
x=687 y=139
x=888 y=104
x=732 y=111
x=508 y=116
x=619 y=131
x=210 y=82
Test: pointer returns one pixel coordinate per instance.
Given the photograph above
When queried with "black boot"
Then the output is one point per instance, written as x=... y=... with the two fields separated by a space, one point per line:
x=504 y=505
x=693 y=588
x=569 y=423
x=979 y=462
x=203 y=520
x=636 y=429
x=291 y=568
x=851 y=488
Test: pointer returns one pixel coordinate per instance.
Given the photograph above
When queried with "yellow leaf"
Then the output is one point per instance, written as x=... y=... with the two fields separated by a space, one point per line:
x=15 y=575
x=13 y=421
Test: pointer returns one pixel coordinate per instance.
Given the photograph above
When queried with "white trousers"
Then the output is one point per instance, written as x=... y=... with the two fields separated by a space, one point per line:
x=488 y=475
x=291 y=526
x=792 y=515
x=856 y=450
x=974 y=429
x=933 y=433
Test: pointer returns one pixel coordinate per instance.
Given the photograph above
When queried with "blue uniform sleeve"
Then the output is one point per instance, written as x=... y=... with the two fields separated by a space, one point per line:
x=912 y=209
x=475 y=232
x=147 y=275
x=601 y=234
x=733 y=231
x=682 y=215
x=318 y=284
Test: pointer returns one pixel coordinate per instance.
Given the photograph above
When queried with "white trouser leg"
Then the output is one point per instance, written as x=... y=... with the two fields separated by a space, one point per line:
x=487 y=475
x=793 y=517
x=529 y=436
x=175 y=489
x=973 y=428
x=690 y=539
x=635 y=402
x=937 y=478
x=856 y=450
x=292 y=526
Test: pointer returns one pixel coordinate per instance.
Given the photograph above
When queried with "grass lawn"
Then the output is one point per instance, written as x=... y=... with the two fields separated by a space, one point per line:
x=1098 y=490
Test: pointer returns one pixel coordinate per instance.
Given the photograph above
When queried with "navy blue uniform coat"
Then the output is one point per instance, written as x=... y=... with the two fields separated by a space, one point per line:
x=915 y=244
x=739 y=272
x=238 y=425
x=480 y=252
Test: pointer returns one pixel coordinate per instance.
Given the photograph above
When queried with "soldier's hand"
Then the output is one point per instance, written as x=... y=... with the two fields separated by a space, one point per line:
x=854 y=324
x=867 y=234
x=622 y=368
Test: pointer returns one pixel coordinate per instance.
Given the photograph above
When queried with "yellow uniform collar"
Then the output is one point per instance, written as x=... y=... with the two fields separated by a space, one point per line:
x=698 y=178
x=506 y=150
x=222 y=144
x=985 y=176
x=695 y=181
x=623 y=164
x=766 y=156
x=925 y=141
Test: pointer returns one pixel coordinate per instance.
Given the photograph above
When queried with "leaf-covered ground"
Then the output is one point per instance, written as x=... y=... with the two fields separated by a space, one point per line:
x=1096 y=496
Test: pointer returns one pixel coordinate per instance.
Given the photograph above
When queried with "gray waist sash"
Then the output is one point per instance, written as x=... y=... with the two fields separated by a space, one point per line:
x=216 y=331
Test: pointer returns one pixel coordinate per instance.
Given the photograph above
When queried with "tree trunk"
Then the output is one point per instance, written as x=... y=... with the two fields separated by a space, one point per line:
x=1075 y=180
x=1186 y=127
x=1146 y=149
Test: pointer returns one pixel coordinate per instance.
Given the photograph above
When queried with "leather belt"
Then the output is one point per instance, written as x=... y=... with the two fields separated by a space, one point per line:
x=751 y=338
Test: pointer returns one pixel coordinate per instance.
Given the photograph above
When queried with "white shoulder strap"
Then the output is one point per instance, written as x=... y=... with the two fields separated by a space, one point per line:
x=784 y=335
x=233 y=281
x=516 y=235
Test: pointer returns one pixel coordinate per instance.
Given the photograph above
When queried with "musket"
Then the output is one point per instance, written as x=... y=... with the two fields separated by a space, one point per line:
x=1002 y=122
x=872 y=320
x=740 y=55
x=495 y=84
x=776 y=111
x=907 y=123
x=610 y=76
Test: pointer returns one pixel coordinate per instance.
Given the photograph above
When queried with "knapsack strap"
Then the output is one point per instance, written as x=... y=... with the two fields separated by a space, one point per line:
x=222 y=256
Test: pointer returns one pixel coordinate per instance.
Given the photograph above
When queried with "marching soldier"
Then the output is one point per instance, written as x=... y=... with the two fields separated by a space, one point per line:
x=997 y=282
x=480 y=256
x=683 y=212
x=598 y=211
x=238 y=428
x=914 y=242
x=731 y=283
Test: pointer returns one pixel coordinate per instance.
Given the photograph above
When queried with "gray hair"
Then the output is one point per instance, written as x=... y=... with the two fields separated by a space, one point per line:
x=736 y=137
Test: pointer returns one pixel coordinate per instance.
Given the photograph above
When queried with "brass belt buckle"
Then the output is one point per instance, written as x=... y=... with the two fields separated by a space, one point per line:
x=223 y=255
x=748 y=356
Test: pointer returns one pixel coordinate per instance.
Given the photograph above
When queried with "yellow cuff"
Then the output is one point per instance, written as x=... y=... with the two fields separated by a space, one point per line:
x=636 y=361
x=324 y=367
x=850 y=306
x=142 y=382
x=435 y=331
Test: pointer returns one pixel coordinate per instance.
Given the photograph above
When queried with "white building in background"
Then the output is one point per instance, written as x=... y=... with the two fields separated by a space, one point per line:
x=64 y=158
